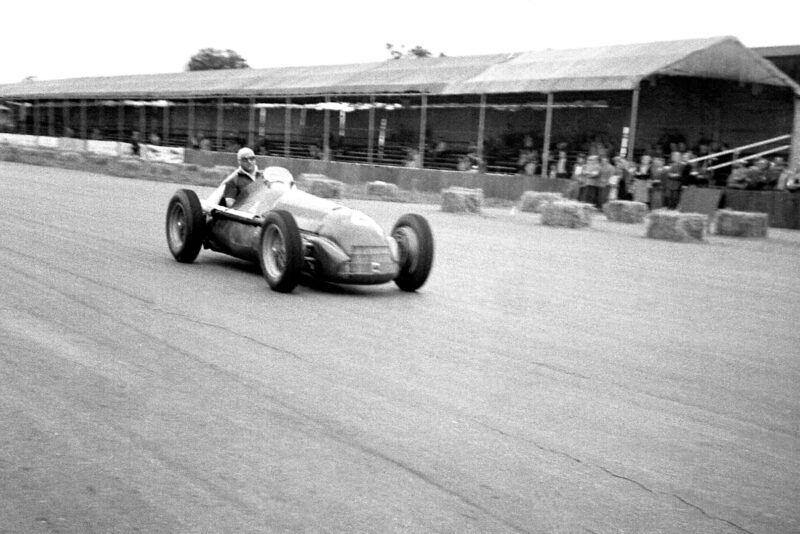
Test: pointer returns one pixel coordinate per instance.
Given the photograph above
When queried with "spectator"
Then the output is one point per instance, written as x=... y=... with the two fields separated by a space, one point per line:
x=135 y=143
x=792 y=182
x=154 y=138
x=642 y=180
x=412 y=159
x=561 y=165
x=776 y=168
x=590 y=180
x=658 y=175
x=674 y=182
x=606 y=179
x=738 y=177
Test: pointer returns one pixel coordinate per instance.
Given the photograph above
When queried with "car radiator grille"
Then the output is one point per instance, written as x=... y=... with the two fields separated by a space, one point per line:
x=368 y=260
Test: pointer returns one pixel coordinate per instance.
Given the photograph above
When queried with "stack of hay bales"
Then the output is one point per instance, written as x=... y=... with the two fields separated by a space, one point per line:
x=673 y=225
x=131 y=167
x=383 y=190
x=625 y=211
x=321 y=186
x=462 y=199
x=740 y=223
x=567 y=213
x=534 y=201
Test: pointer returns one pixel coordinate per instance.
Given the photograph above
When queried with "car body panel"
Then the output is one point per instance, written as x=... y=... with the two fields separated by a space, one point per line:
x=341 y=244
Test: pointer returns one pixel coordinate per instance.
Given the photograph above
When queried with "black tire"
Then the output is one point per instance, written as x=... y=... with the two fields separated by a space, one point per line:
x=185 y=225
x=415 y=241
x=280 y=251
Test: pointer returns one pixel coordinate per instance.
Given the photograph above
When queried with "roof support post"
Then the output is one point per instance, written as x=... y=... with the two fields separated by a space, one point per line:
x=220 y=119
x=423 y=126
x=287 y=128
x=121 y=120
x=51 y=119
x=142 y=123
x=190 y=123
x=251 y=123
x=371 y=129
x=65 y=117
x=548 y=129
x=326 y=132
x=165 y=125
x=630 y=155
x=36 y=116
x=481 y=128
x=794 y=151
x=83 y=126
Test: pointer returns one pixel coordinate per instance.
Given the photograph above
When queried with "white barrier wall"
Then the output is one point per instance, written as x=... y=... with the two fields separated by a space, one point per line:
x=161 y=154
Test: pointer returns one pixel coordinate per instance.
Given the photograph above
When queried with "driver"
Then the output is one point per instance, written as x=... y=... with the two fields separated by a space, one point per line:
x=246 y=174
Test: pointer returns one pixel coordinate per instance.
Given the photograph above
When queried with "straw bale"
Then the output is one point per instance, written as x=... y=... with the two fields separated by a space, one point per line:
x=382 y=189
x=321 y=186
x=462 y=199
x=534 y=201
x=673 y=225
x=740 y=223
x=567 y=213
x=625 y=211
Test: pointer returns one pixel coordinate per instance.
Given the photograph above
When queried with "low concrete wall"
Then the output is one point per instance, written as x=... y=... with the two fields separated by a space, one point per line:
x=504 y=186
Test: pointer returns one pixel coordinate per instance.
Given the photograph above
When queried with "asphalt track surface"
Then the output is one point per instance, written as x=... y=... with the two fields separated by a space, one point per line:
x=544 y=380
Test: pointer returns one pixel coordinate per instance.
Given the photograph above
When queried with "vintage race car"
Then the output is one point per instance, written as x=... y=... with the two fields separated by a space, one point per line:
x=291 y=233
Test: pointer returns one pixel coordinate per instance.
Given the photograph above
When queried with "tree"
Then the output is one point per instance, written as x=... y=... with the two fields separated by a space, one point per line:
x=416 y=52
x=214 y=59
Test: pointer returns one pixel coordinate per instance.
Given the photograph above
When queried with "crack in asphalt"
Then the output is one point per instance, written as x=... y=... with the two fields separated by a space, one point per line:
x=616 y=475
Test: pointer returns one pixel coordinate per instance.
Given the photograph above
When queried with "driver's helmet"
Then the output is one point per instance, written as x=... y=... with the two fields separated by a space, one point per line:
x=278 y=177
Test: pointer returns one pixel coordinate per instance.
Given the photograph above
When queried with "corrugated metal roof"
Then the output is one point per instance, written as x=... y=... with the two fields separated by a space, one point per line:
x=622 y=67
x=619 y=67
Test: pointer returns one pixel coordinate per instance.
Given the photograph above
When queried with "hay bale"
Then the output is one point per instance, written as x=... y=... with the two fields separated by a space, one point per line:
x=673 y=225
x=534 y=201
x=382 y=189
x=127 y=167
x=70 y=158
x=462 y=199
x=321 y=186
x=567 y=213
x=625 y=211
x=740 y=223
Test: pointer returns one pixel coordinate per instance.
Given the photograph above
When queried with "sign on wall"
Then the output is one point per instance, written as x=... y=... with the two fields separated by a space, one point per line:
x=163 y=154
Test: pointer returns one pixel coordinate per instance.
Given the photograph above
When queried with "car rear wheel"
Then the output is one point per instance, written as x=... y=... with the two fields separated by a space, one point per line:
x=185 y=222
x=415 y=243
x=281 y=251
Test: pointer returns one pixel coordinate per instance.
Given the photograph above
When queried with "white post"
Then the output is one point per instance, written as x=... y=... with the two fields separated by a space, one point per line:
x=794 y=152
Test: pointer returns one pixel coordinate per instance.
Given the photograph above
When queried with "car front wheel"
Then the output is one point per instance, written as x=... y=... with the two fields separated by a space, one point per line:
x=415 y=243
x=281 y=251
x=185 y=225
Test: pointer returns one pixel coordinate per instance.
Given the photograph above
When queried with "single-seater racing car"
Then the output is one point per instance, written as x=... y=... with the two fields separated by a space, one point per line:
x=291 y=233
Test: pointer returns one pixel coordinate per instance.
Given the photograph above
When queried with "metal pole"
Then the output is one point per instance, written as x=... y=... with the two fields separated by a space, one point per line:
x=371 y=129
x=220 y=119
x=142 y=123
x=326 y=132
x=165 y=124
x=83 y=125
x=251 y=123
x=190 y=124
x=51 y=119
x=423 y=125
x=287 y=128
x=548 y=127
x=634 y=119
x=794 y=153
x=36 y=118
x=65 y=116
x=120 y=121
x=481 y=126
